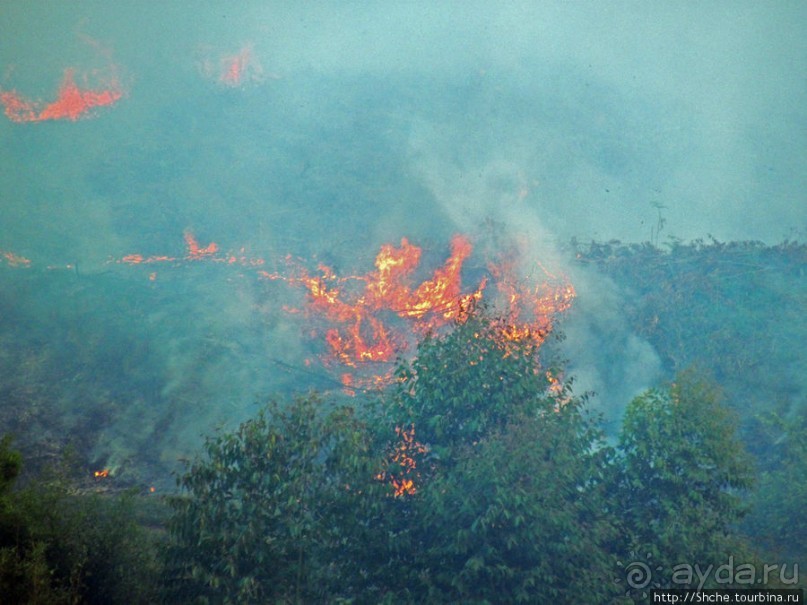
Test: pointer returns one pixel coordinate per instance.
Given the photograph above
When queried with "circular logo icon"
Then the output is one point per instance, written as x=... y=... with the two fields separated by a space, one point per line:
x=638 y=575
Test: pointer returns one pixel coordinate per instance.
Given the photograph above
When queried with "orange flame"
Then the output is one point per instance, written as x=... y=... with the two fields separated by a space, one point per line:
x=372 y=318
x=530 y=310
x=71 y=103
x=231 y=70
x=363 y=336
x=197 y=253
x=235 y=67
x=14 y=260
x=364 y=332
x=403 y=456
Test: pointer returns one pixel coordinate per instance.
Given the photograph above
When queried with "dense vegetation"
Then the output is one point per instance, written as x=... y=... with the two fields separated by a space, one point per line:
x=737 y=311
x=61 y=546
x=473 y=478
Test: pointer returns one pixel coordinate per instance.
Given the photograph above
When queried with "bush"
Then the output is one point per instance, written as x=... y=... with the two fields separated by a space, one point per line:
x=61 y=546
x=509 y=485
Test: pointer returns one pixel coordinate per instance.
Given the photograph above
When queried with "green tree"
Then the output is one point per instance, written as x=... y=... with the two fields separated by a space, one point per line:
x=474 y=478
x=24 y=572
x=777 y=518
x=683 y=474
x=274 y=511
x=508 y=502
x=10 y=464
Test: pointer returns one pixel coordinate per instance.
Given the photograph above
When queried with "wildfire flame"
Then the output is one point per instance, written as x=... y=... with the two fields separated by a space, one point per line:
x=14 y=260
x=362 y=325
x=231 y=70
x=374 y=317
x=530 y=310
x=403 y=458
x=193 y=252
x=72 y=102
x=363 y=336
x=369 y=319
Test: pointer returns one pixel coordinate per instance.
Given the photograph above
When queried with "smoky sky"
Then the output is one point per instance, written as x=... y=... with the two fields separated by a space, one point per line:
x=366 y=122
x=596 y=118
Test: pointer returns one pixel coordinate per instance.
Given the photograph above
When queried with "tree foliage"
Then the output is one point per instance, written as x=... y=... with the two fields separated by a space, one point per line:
x=683 y=473
x=59 y=546
x=777 y=516
x=476 y=478
x=510 y=502
x=270 y=514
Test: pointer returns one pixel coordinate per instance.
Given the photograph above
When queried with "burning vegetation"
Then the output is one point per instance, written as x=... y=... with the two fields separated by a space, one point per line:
x=475 y=471
x=367 y=321
x=72 y=102
x=371 y=319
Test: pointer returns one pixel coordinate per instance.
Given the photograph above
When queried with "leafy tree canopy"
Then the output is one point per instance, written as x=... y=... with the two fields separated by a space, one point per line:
x=683 y=472
x=477 y=477
x=272 y=512
x=777 y=516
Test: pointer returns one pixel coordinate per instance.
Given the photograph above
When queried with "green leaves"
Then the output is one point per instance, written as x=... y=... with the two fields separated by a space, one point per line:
x=510 y=503
x=264 y=513
x=777 y=518
x=515 y=495
x=10 y=464
x=465 y=384
x=683 y=470
x=62 y=545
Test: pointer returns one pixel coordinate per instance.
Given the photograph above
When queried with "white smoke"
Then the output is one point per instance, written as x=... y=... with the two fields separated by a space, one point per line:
x=606 y=357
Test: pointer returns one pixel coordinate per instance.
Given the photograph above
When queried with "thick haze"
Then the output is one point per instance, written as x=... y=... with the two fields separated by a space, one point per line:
x=361 y=123
x=585 y=114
